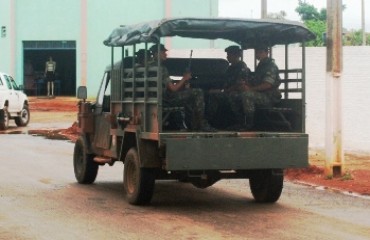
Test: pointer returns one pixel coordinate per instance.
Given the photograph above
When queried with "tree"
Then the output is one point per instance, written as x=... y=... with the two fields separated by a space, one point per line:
x=318 y=27
x=309 y=12
x=314 y=21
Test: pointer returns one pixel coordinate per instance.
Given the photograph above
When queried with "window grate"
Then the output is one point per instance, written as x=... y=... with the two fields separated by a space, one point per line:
x=49 y=45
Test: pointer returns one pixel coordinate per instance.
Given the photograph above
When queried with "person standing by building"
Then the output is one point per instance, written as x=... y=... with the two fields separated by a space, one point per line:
x=50 y=67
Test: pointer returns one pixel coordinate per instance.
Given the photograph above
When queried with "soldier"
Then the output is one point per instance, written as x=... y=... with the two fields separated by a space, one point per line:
x=263 y=89
x=178 y=95
x=231 y=95
x=237 y=73
x=140 y=56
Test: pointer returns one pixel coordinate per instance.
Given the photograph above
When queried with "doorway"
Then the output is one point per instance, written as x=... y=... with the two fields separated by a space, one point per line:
x=36 y=53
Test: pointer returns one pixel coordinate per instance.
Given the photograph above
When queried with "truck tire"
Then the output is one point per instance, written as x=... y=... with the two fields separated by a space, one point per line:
x=24 y=117
x=266 y=185
x=4 y=118
x=138 y=182
x=85 y=168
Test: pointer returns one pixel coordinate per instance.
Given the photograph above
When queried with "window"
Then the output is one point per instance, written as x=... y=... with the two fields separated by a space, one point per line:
x=11 y=83
x=8 y=83
x=104 y=92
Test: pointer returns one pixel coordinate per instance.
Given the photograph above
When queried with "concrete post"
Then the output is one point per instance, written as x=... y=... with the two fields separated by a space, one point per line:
x=168 y=14
x=263 y=9
x=13 y=39
x=83 y=37
x=363 y=22
x=334 y=149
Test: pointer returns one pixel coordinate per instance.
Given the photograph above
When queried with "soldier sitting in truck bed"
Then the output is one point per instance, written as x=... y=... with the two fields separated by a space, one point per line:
x=261 y=90
x=236 y=77
x=179 y=95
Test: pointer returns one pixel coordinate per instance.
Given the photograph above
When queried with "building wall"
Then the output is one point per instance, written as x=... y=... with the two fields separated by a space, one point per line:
x=102 y=19
x=5 y=41
x=355 y=76
x=355 y=91
x=88 y=23
x=355 y=94
x=40 y=20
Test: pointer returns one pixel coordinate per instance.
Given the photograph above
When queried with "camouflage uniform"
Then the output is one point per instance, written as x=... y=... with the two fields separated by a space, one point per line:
x=266 y=71
x=236 y=72
x=191 y=99
x=232 y=97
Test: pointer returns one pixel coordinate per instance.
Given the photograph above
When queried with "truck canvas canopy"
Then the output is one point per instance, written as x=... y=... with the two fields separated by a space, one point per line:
x=246 y=32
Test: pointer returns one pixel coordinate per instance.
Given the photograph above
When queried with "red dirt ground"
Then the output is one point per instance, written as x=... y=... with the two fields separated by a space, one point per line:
x=357 y=165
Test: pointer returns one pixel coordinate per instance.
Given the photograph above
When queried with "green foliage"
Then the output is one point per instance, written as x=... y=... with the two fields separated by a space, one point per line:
x=314 y=21
x=354 y=38
x=308 y=12
x=318 y=27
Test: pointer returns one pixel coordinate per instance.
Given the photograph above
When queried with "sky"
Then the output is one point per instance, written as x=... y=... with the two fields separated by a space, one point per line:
x=252 y=9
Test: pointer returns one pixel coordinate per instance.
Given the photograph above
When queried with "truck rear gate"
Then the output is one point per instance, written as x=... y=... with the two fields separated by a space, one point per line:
x=263 y=151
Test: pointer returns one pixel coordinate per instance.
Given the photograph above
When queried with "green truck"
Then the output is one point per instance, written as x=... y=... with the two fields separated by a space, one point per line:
x=129 y=123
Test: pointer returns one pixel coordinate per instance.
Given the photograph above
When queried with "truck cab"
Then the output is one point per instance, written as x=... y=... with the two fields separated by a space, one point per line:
x=128 y=122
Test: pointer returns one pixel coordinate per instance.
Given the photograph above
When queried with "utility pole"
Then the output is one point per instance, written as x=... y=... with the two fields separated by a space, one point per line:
x=363 y=22
x=263 y=9
x=83 y=40
x=333 y=139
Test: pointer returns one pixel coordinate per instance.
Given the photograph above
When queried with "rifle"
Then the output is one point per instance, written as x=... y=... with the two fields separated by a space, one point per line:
x=188 y=68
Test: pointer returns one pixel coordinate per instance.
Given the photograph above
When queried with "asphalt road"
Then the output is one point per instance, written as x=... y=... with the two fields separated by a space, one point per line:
x=40 y=199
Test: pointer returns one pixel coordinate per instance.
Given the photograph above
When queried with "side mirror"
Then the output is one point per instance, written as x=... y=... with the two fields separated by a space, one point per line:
x=82 y=92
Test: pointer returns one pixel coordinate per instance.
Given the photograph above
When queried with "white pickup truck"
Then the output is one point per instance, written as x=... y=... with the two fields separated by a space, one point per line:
x=13 y=103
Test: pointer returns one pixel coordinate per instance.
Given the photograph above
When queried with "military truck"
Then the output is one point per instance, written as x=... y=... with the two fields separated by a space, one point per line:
x=128 y=121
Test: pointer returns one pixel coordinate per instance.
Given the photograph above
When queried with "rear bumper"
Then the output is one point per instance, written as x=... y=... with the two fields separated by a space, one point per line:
x=261 y=151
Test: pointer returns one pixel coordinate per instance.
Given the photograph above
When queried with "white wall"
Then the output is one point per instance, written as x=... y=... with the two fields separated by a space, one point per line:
x=355 y=91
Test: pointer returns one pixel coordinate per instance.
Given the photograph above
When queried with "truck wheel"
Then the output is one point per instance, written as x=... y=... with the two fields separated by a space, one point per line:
x=4 y=118
x=266 y=185
x=24 y=117
x=138 y=182
x=84 y=167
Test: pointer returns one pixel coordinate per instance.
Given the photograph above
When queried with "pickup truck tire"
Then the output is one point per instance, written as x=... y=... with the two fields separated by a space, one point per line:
x=138 y=182
x=266 y=185
x=85 y=168
x=23 y=118
x=4 y=118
